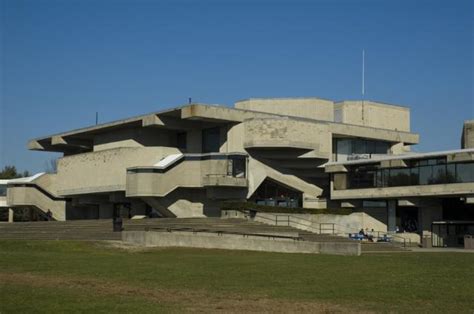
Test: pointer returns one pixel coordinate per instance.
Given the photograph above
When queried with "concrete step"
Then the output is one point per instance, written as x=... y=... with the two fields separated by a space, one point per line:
x=101 y=228
x=381 y=247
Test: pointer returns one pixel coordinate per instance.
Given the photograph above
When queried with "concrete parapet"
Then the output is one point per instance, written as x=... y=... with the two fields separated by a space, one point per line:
x=237 y=242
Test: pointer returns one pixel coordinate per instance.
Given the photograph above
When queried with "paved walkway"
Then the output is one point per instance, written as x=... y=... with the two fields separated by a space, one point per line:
x=441 y=250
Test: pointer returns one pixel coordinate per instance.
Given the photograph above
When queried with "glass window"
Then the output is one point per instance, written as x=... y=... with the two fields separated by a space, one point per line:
x=238 y=168
x=400 y=177
x=439 y=174
x=370 y=147
x=451 y=173
x=433 y=171
x=465 y=172
x=181 y=140
x=359 y=147
x=211 y=140
x=3 y=190
x=426 y=175
x=343 y=149
x=381 y=147
x=414 y=176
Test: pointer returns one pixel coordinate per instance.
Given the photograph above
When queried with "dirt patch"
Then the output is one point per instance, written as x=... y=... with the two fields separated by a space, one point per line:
x=188 y=300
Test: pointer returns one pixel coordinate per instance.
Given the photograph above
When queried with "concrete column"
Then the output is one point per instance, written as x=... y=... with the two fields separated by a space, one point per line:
x=391 y=215
x=428 y=214
x=10 y=215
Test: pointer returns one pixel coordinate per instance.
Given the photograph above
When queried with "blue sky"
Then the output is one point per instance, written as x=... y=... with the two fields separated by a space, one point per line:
x=61 y=61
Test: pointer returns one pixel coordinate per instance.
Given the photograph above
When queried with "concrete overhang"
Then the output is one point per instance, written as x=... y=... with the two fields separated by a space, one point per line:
x=79 y=143
x=170 y=123
x=35 y=145
x=452 y=156
x=219 y=113
x=351 y=130
x=335 y=168
x=462 y=156
x=395 y=163
x=415 y=191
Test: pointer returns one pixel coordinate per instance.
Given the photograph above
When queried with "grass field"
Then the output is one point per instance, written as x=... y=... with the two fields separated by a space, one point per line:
x=72 y=277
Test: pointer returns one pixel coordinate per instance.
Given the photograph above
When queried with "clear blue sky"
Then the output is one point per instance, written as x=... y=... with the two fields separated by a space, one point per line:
x=61 y=61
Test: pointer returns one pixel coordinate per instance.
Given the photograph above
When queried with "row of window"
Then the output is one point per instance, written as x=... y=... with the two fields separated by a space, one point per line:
x=419 y=173
x=274 y=194
x=211 y=139
x=347 y=147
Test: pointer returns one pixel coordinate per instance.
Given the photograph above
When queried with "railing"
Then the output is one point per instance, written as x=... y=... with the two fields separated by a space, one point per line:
x=222 y=232
x=288 y=220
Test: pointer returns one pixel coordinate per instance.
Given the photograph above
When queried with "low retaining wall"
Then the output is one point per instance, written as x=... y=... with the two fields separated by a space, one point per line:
x=237 y=242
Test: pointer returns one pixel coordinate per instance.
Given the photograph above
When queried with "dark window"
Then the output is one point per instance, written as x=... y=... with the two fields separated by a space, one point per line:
x=426 y=175
x=400 y=177
x=465 y=172
x=421 y=172
x=211 y=139
x=274 y=194
x=359 y=147
x=3 y=190
x=451 y=173
x=238 y=167
x=181 y=139
x=439 y=174
x=381 y=147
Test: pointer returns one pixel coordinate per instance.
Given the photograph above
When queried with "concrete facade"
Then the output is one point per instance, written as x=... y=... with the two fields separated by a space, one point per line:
x=184 y=161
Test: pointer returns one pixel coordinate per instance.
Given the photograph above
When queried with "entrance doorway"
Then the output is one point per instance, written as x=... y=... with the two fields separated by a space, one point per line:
x=407 y=219
x=272 y=193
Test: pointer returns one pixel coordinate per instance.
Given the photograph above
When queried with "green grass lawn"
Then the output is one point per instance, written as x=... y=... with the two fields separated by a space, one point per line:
x=67 y=276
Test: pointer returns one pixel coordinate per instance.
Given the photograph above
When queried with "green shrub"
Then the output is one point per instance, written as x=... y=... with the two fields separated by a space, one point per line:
x=245 y=206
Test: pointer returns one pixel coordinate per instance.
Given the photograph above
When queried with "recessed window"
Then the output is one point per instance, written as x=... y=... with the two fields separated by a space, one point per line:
x=181 y=139
x=211 y=139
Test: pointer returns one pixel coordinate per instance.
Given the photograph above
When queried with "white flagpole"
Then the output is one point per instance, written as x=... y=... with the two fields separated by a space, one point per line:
x=363 y=85
x=363 y=73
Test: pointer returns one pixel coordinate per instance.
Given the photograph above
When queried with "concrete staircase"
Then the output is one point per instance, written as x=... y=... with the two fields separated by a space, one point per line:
x=231 y=225
x=101 y=229
x=59 y=230
x=379 y=247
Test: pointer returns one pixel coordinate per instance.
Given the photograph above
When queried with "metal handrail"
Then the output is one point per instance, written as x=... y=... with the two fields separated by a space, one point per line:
x=221 y=232
x=290 y=221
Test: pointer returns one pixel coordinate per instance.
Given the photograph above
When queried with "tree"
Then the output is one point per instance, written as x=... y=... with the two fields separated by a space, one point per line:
x=9 y=172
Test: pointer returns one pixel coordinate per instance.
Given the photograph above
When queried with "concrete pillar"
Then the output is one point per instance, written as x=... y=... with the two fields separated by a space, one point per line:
x=10 y=215
x=428 y=214
x=391 y=215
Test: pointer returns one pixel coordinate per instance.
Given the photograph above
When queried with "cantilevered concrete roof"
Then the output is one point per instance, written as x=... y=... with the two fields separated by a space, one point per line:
x=188 y=117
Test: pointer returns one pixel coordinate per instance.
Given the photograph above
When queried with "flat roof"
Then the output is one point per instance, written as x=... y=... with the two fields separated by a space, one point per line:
x=136 y=119
x=381 y=103
x=284 y=98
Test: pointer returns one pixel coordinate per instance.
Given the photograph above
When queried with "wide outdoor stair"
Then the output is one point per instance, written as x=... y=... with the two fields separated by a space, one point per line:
x=232 y=225
x=59 y=230
x=309 y=236
x=101 y=229
x=369 y=247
